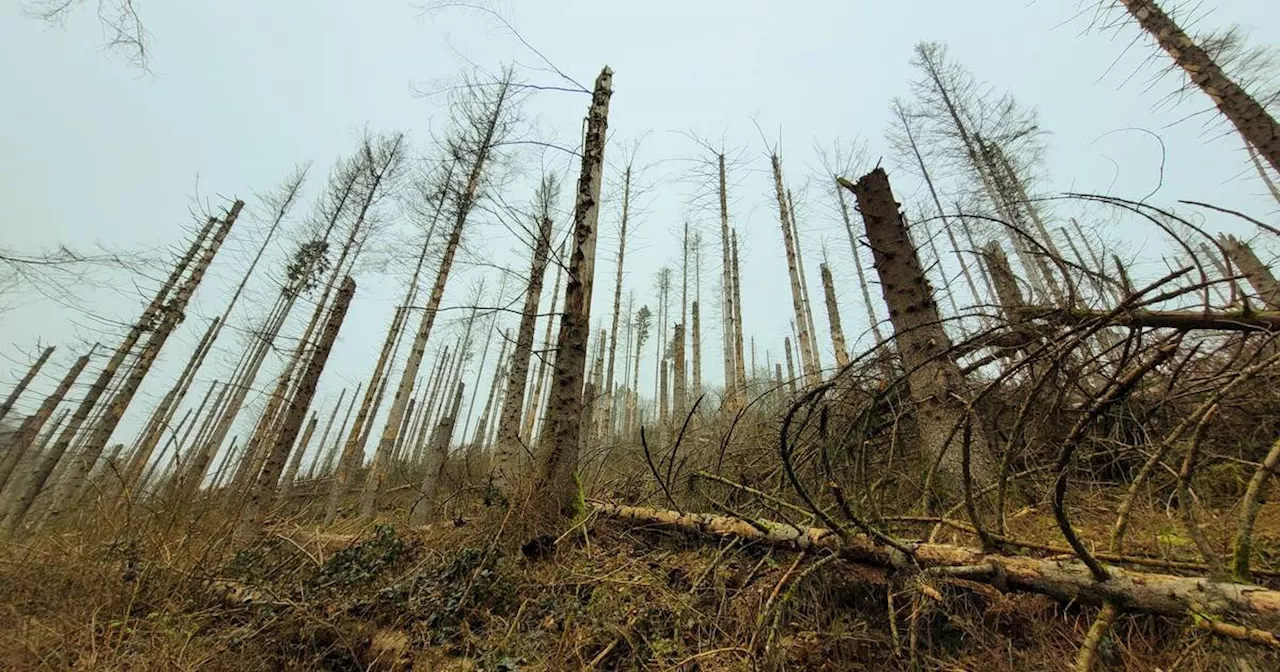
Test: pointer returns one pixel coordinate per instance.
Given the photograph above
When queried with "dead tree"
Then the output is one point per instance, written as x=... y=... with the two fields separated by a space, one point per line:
x=22 y=440
x=814 y=351
x=171 y=314
x=26 y=380
x=501 y=375
x=263 y=493
x=934 y=379
x=833 y=318
x=695 y=318
x=319 y=468
x=1257 y=273
x=558 y=461
x=643 y=321
x=609 y=401
x=791 y=365
x=483 y=123
x=739 y=363
x=535 y=397
x=438 y=451
x=731 y=384
x=797 y=293
x=1250 y=118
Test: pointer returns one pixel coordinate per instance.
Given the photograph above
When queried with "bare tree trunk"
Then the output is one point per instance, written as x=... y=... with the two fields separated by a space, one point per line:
x=664 y=384
x=22 y=439
x=696 y=344
x=1262 y=172
x=814 y=351
x=883 y=356
x=438 y=451
x=833 y=318
x=791 y=365
x=797 y=293
x=559 y=460
x=484 y=357
x=731 y=385
x=501 y=373
x=679 y=393
x=295 y=460
x=739 y=366
x=1250 y=118
x=233 y=452
x=263 y=494
x=172 y=313
x=934 y=377
x=609 y=401
x=327 y=465
x=465 y=201
x=26 y=380
x=1256 y=272
x=535 y=397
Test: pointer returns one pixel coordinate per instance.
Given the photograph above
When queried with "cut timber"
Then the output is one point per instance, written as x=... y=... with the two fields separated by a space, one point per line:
x=1066 y=580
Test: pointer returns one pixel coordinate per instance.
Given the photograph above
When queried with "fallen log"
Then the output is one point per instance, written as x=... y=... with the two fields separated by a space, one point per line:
x=1160 y=319
x=1065 y=580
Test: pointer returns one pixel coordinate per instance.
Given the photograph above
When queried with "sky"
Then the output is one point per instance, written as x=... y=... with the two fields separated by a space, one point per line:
x=97 y=154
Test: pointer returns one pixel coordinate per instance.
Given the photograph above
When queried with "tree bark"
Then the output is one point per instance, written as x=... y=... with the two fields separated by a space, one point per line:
x=1256 y=272
x=22 y=439
x=797 y=295
x=26 y=380
x=933 y=376
x=1250 y=118
x=833 y=318
x=263 y=494
x=727 y=304
x=559 y=460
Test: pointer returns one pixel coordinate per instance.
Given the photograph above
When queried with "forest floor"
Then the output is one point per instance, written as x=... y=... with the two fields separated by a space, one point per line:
x=463 y=594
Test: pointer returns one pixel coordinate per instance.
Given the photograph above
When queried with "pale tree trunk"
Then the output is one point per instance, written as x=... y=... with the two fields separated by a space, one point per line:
x=558 y=461
x=660 y=343
x=295 y=460
x=186 y=480
x=862 y=280
x=609 y=389
x=1006 y=284
x=664 y=384
x=535 y=397
x=26 y=380
x=435 y=389
x=22 y=439
x=596 y=382
x=777 y=375
x=171 y=314
x=679 y=393
x=791 y=365
x=739 y=366
x=1015 y=194
x=146 y=322
x=1262 y=172
x=484 y=357
x=731 y=384
x=833 y=318
x=934 y=378
x=262 y=496
x=508 y=441
x=466 y=200
x=804 y=291
x=1250 y=118
x=325 y=466
x=233 y=452
x=797 y=293
x=696 y=344
x=438 y=451
x=501 y=372
x=901 y=113
x=173 y=438
x=1256 y=272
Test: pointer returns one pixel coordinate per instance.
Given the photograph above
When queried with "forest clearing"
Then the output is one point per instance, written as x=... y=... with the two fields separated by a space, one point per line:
x=973 y=432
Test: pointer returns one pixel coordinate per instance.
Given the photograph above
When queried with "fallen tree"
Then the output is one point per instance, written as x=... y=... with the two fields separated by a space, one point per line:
x=1067 y=580
x=1160 y=319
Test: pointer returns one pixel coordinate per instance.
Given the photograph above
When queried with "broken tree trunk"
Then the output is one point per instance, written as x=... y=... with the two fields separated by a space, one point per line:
x=739 y=356
x=1161 y=319
x=21 y=441
x=558 y=461
x=26 y=380
x=1256 y=272
x=833 y=318
x=797 y=293
x=263 y=494
x=1065 y=580
x=933 y=377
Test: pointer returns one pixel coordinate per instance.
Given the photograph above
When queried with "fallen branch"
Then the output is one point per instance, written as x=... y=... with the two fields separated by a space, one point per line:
x=1066 y=580
x=1161 y=319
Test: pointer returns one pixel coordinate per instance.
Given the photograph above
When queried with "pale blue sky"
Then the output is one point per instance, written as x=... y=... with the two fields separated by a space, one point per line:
x=242 y=91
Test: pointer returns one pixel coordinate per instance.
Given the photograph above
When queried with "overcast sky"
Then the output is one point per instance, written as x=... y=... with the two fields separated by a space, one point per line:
x=96 y=152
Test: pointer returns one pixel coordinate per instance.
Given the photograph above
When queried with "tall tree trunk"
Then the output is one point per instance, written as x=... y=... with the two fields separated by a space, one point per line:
x=609 y=388
x=263 y=494
x=678 y=392
x=26 y=380
x=797 y=293
x=934 y=378
x=833 y=318
x=508 y=441
x=295 y=458
x=559 y=460
x=695 y=343
x=535 y=398
x=325 y=467
x=501 y=372
x=1250 y=118
x=814 y=351
x=172 y=313
x=438 y=451
x=20 y=443
x=791 y=365
x=739 y=365
x=731 y=384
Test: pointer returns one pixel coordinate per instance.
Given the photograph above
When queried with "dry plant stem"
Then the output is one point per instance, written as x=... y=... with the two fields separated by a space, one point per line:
x=1101 y=625
x=1249 y=508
